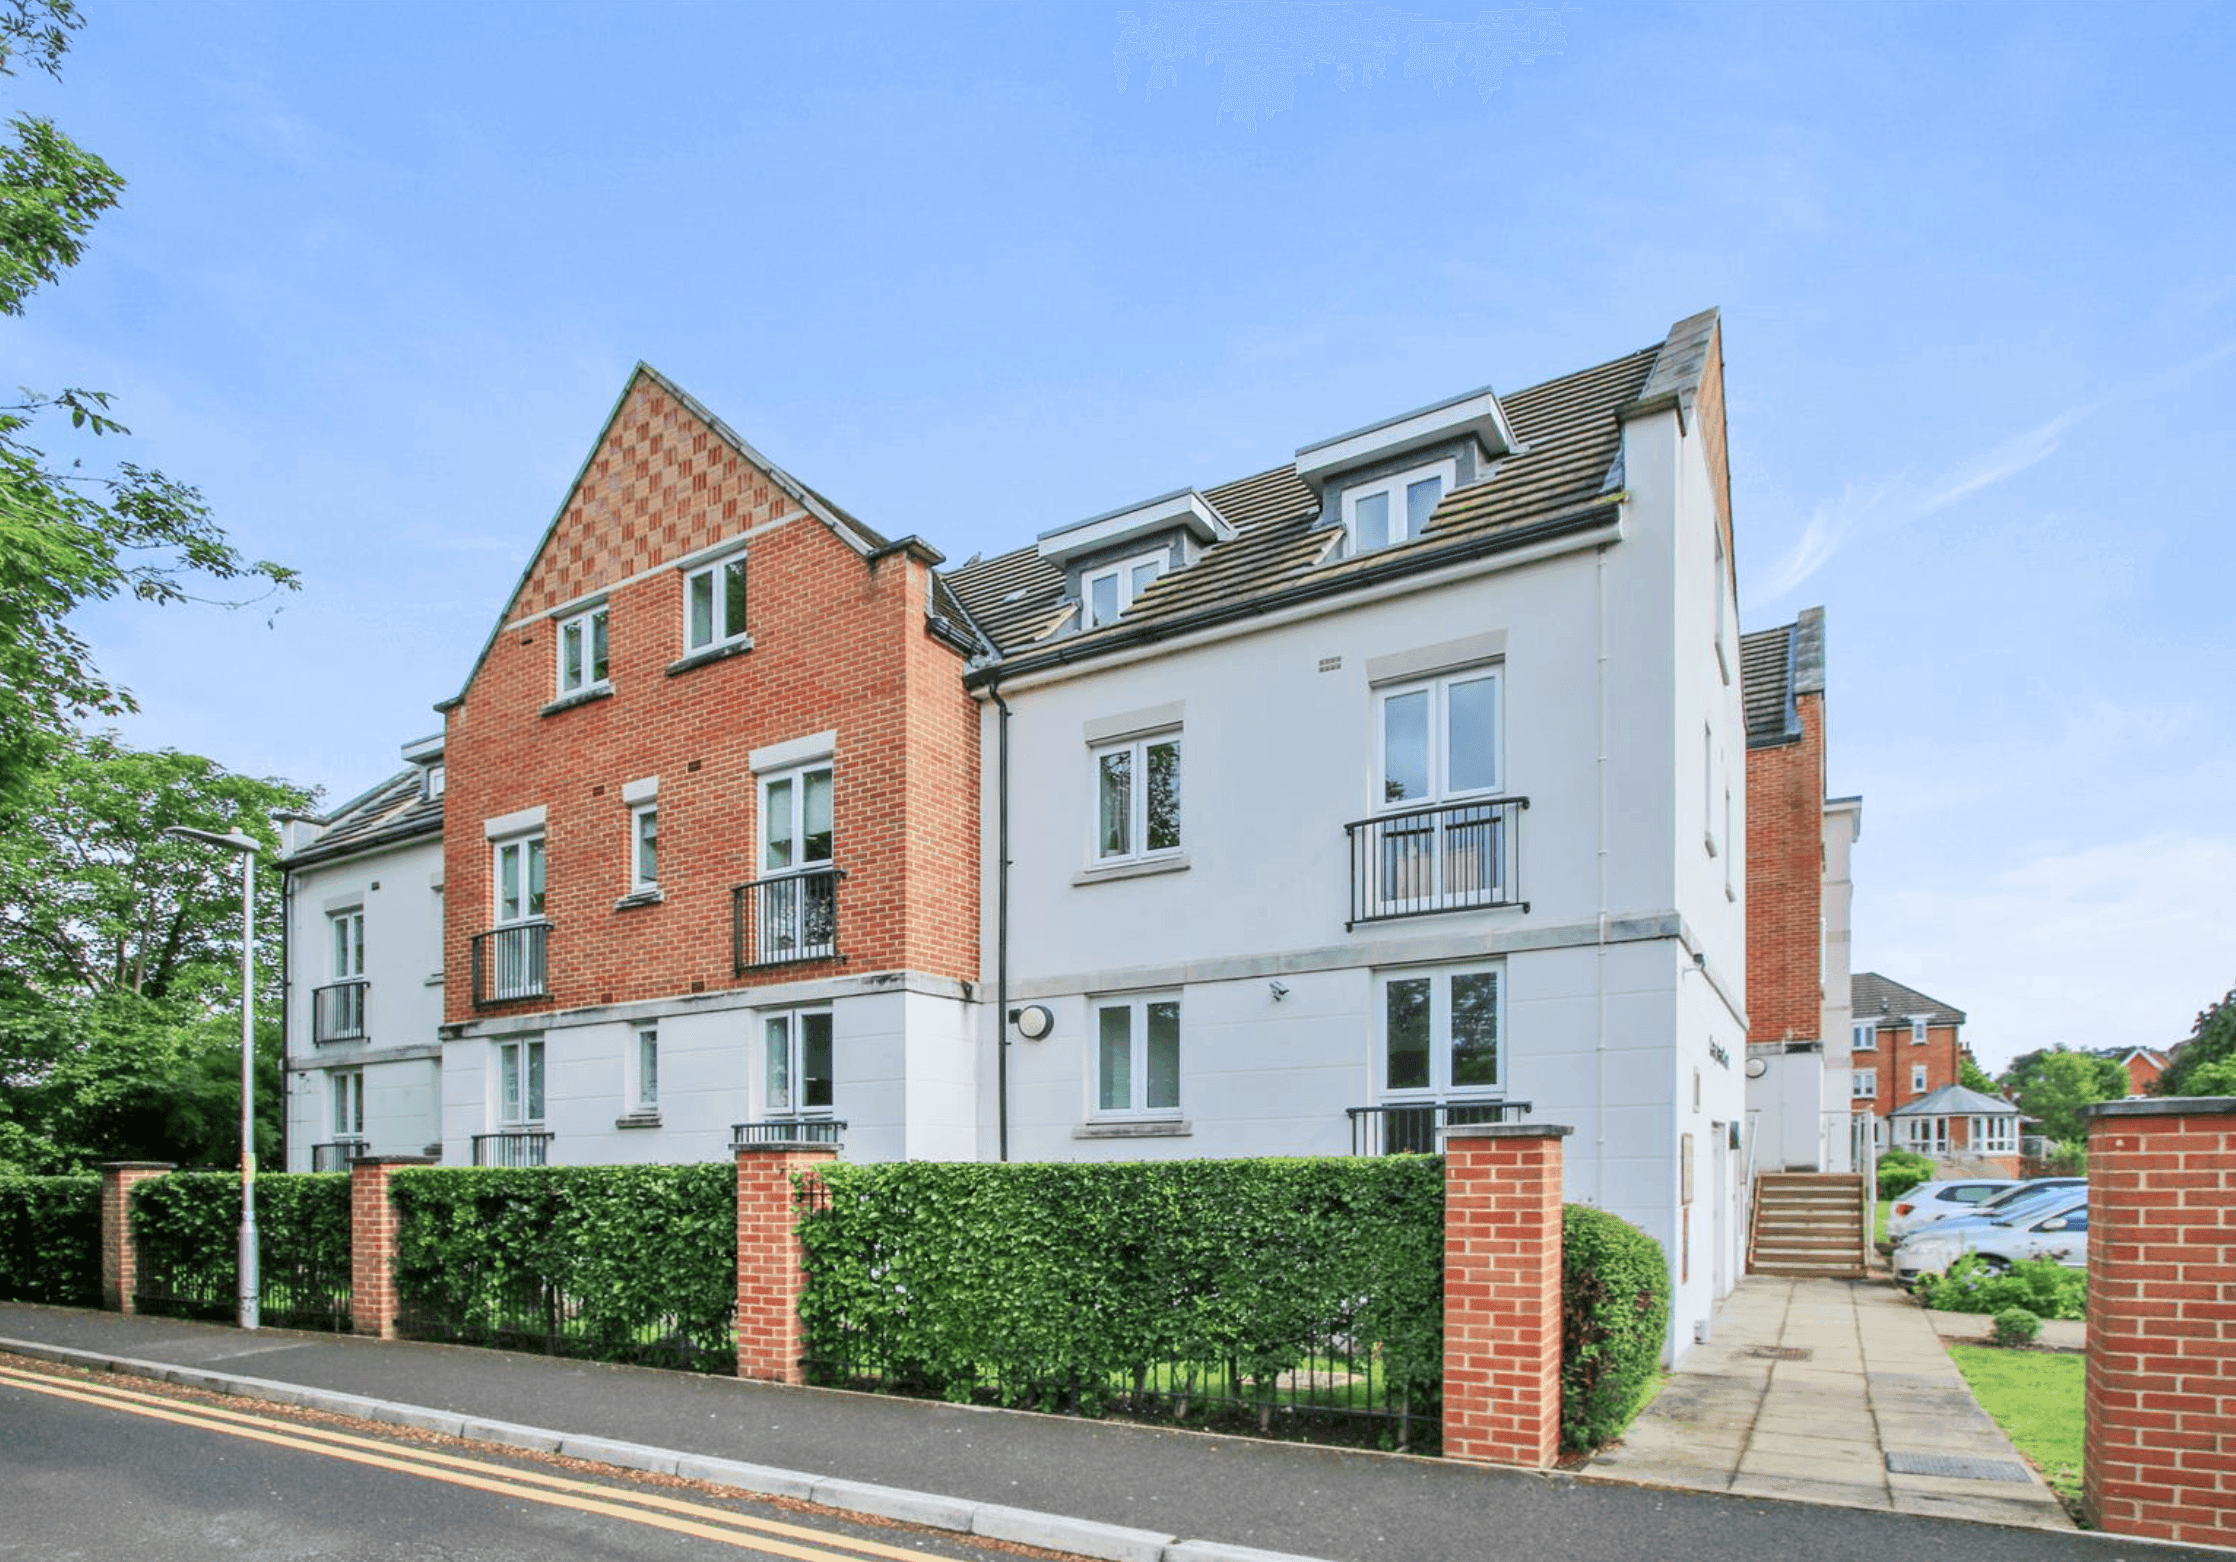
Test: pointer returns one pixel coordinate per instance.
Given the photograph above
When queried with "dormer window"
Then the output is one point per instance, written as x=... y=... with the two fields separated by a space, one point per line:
x=432 y=780
x=582 y=651
x=1109 y=592
x=1394 y=509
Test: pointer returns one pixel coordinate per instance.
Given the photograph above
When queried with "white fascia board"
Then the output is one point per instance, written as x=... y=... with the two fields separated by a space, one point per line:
x=1477 y=413
x=420 y=750
x=1182 y=507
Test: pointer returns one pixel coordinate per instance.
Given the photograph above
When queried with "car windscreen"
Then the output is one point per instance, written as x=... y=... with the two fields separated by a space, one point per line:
x=2035 y=1208
x=2025 y=1192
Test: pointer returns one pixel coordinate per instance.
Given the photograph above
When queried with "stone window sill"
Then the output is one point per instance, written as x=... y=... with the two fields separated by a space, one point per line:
x=713 y=653
x=589 y=696
x=1147 y=868
x=642 y=897
x=1172 y=1128
x=637 y=1120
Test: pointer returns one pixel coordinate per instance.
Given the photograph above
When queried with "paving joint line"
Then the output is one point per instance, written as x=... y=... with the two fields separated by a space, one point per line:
x=989 y=1520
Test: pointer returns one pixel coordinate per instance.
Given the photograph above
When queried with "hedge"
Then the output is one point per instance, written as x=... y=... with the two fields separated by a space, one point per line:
x=1902 y=1170
x=1067 y=1287
x=1614 y=1313
x=613 y=1263
x=186 y=1226
x=2043 y=1286
x=50 y=1240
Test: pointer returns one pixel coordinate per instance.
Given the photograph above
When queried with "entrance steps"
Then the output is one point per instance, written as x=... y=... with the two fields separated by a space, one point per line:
x=1808 y=1225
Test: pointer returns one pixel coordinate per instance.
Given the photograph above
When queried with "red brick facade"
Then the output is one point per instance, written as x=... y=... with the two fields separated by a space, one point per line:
x=2160 y=1455
x=120 y=1256
x=1896 y=1055
x=839 y=643
x=1786 y=882
x=1502 y=1293
x=772 y=1266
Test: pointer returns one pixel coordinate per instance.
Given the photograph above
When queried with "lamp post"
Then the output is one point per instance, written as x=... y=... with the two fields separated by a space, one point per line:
x=247 y=847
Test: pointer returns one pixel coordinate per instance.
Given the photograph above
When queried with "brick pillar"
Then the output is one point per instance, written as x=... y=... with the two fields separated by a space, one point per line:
x=120 y=1256
x=2159 y=1459
x=372 y=1244
x=772 y=1269
x=1502 y=1292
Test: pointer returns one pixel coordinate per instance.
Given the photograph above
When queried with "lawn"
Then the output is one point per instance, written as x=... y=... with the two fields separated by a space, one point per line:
x=1879 y=1227
x=2036 y=1397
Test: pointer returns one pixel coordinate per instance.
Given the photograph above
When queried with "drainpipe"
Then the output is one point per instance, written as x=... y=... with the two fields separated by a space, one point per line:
x=1001 y=917
x=286 y=992
x=1599 y=615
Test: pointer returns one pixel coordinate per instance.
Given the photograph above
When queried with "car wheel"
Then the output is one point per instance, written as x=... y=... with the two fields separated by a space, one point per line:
x=1993 y=1263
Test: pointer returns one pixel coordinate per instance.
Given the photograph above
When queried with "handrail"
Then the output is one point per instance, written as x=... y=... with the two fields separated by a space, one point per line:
x=792 y=917
x=1452 y=856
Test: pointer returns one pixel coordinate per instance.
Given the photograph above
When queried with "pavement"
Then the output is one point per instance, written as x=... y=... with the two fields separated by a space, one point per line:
x=1144 y=1494
x=1836 y=1392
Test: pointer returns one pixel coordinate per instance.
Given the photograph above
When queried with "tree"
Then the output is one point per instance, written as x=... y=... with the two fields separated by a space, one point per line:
x=1973 y=1077
x=2054 y=1084
x=68 y=536
x=2200 y=1071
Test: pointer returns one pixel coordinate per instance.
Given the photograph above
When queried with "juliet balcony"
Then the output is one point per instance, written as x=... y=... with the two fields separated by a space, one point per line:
x=783 y=920
x=509 y=963
x=338 y=1012
x=1444 y=857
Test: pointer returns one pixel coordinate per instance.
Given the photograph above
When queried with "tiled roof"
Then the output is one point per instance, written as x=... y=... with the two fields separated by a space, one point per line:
x=391 y=813
x=1776 y=667
x=1873 y=997
x=1572 y=434
x=1954 y=1101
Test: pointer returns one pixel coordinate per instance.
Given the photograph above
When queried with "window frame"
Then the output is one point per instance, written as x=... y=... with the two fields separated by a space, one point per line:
x=346 y=1103
x=796 y=819
x=1440 y=1048
x=1137 y=750
x=348 y=943
x=1917 y=1079
x=595 y=628
x=1395 y=486
x=522 y=1081
x=1863 y=1084
x=641 y=815
x=797 y=1077
x=1918 y=1033
x=1124 y=590
x=1136 y=1006
x=1863 y=1036
x=1438 y=737
x=532 y=899
x=644 y=1069
x=1992 y=1133
x=717 y=572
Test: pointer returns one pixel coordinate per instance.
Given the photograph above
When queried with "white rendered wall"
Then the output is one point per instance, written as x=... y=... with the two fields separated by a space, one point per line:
x=1843 y=827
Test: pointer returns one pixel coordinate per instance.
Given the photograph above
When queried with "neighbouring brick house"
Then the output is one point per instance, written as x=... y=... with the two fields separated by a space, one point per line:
x=1904 y=1045
x=757 y=825
x=1799 y=891
x=2144 y=1066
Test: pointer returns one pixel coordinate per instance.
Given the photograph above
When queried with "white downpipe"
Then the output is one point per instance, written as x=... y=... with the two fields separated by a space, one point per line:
x=1599 y=616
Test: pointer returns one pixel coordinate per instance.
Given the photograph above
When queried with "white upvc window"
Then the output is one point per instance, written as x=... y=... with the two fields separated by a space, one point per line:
x=1917 y=1033
x=1395 y=509
x=1917 y=1079
x=1992 y=1135
x=1440 y=739
x=714 y=604
x=1111 y=590
x=1441 y=1032
x=349 y=945
x=644 y=1073
x=436 y=779
x=1865 y=1085
x=346 y=1087
x=1137 y=798
x=1866 y=1036
x=1137 y=1056
x=520 y=1082
x=1925 y=1135
x=796 y=820
x=582 y=651
x=1723 y=615
x=1438 y=752
x=520 y=880
x=797 y=1066
x=644 y=847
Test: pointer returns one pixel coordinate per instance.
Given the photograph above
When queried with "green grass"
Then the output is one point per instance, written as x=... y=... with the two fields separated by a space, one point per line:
x=2036 y=1397
x=1879 y=1226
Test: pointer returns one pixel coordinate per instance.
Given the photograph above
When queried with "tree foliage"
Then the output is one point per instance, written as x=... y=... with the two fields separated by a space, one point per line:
x=2207 y=1065
x=1973 y=1077
x=2055 y=1083
x=69 y=536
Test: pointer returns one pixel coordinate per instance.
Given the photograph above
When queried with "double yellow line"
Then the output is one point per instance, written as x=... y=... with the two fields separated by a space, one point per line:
x=703 y=1520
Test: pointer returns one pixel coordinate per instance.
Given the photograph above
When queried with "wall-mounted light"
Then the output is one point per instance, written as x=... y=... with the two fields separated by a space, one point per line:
x=1033 y=1021
x=1279 y=990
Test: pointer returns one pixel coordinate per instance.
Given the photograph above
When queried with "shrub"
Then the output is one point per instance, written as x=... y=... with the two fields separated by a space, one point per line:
x=1902 y=1170
x=2016 y=1326
x=2043 y=1286
x=186 y=1226
x=50 y=1240
x=616 y=1263
x=1614 y=1313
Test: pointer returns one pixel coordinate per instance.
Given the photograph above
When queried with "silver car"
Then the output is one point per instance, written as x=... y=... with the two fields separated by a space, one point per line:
x=2059 y=1231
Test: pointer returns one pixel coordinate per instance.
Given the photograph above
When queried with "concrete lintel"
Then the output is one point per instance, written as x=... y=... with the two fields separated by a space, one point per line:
x=1508 y=1131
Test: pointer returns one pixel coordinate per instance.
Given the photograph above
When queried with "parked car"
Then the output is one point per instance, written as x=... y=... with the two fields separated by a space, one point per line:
x=1932 y=1201
x=2014 y=1205
x=2059 y=1232
x=2010 y=1201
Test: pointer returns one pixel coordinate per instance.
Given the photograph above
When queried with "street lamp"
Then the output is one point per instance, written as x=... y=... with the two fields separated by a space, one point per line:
x=247 y=847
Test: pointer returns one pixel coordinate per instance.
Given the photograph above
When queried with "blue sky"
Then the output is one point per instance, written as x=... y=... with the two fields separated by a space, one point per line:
x=977 y=270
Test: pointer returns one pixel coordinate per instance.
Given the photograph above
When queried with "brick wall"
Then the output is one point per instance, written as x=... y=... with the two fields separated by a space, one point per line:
x=1502 y=1293
x=839 y=644
x=120 y=1264
x=772 y=1268
x=372 y=1244
x=2159 y=1460
x=1896 y=1053
x=1785 y=882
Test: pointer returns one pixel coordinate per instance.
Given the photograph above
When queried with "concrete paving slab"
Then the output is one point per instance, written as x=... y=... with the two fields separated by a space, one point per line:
x=1834 y=1494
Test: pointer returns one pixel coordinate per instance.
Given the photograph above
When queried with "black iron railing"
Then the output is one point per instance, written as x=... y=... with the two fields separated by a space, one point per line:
x=513 y=1147
x=338 y=1012
x=788 y=1130
x=781 y=920
x=337 y=1155
x=1450 y=857
x=509 y=963
x=1411 y=1128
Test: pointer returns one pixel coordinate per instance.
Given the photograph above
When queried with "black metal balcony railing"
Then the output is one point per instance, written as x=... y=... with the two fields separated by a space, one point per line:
x=788 y=1130
x=336 y=1156
x=780 y=920
x=509 y=963
x=1411 y=1127
x=513 y=1147
x=338 y=1012
x=1450 y=857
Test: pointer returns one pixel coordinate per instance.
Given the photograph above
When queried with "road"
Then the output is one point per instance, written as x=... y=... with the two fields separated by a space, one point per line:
x=104 y=1469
